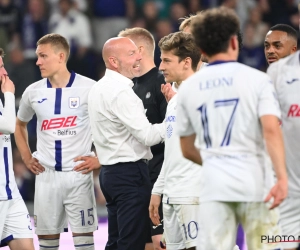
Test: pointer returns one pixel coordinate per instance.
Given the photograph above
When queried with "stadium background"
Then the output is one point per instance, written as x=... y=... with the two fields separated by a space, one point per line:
x=87 y=24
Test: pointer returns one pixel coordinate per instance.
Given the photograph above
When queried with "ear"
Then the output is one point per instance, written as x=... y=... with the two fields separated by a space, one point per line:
x=234 y=44
x=187 y=63
x=62 y=57
x=141 y=49
x=113 y=61
x=294 y=49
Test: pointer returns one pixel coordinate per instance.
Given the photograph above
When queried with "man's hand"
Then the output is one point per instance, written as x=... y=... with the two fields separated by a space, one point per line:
x=34 y=166
x=89 y=164
x=167 y=91
x=153 y=209
x=279 y=192
x=7 y=85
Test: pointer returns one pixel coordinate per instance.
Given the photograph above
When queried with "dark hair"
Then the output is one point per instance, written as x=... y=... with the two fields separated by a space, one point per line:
x=240 y=39
x=213 y=29
x=57 y=41
x=291 y=32
x=183 y=45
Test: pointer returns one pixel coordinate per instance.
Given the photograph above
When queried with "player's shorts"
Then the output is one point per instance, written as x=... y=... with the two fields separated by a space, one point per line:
x=219 y=221
x=14 y=221
x=181 y=225
x=290 y=220
x=62 y=197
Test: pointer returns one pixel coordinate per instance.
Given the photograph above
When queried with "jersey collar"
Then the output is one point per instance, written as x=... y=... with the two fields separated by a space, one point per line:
x=219 y=62
x=71 y=80
x=118 y=77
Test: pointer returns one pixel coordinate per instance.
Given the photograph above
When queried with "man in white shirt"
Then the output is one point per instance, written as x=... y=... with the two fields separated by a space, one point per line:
x=62 y=194
x=179 y=180
x=285 y=74
x=234 y=113
x=15 y=225
x=147 y=88
x=122 y=136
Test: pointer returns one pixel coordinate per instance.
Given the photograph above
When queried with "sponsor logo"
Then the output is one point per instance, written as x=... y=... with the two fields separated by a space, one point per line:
x=171 y=118
x=293 y=80
x=294 y=111
x=41 y=101
x=61 y=122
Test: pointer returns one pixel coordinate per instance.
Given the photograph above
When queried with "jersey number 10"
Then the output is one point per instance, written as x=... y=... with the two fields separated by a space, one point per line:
x=219 y=103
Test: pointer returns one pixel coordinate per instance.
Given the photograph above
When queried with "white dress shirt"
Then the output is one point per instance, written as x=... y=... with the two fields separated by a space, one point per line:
x=120 y=128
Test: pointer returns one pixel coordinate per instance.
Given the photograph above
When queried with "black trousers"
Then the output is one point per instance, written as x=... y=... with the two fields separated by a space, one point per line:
x=127 y=190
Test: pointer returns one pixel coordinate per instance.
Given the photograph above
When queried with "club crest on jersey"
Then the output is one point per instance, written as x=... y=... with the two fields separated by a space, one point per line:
x=73 y=102
x=148 y=95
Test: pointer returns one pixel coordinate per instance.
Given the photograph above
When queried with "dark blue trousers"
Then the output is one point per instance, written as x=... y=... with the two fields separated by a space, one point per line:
x=127 y=190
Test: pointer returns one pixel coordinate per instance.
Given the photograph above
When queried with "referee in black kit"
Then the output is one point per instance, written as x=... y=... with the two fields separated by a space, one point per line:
x=148 y=88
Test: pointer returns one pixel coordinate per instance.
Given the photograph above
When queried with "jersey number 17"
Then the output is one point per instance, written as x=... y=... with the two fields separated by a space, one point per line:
x=204 y=120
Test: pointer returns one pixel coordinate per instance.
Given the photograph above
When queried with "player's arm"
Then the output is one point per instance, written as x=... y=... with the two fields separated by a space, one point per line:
x=89 y=163
x=189 y=149
x=274 y=143
x=269 y=113
x=8 y=116
x=155 y=201
x=186 y=130
x=21 y=137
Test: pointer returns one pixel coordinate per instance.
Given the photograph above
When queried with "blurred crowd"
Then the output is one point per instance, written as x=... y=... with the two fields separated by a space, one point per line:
x=87 y=24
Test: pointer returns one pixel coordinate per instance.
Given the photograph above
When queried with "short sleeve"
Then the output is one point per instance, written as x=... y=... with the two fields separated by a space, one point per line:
x=273 y=72
x=184 y=124
x=25 y=112
x=268 y=102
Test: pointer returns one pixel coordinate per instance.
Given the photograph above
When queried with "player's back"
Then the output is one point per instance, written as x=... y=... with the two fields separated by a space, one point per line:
x=225 y=101
x=63 y=128
x=286 y=77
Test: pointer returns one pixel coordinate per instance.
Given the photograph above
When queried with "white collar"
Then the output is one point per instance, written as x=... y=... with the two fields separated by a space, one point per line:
x=118 y=77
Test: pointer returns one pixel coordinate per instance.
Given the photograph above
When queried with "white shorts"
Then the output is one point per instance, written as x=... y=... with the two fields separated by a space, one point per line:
x=14 y=221
x=62 y=197
x=180 y=225
x=290 y=220
x=219 y=221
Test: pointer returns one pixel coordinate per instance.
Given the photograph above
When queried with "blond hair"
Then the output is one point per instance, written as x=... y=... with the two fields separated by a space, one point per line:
x=56 y=41
x=140 y=34
x=186 y=21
